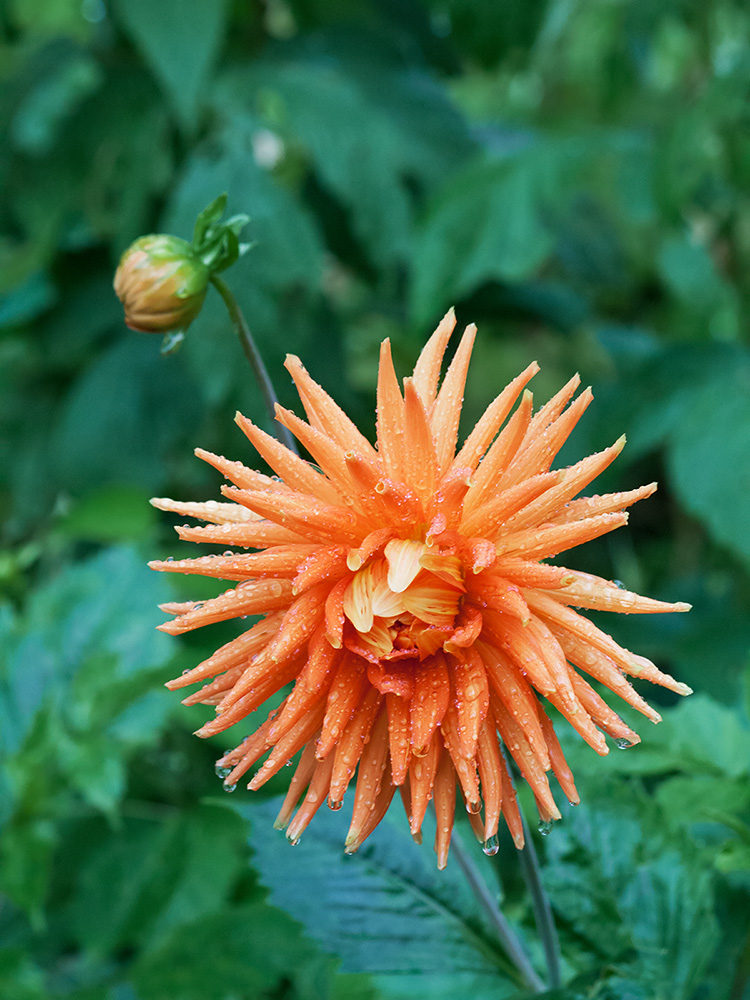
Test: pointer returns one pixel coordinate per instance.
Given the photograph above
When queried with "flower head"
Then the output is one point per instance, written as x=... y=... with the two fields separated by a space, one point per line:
x=404 y=590
x=162 y=283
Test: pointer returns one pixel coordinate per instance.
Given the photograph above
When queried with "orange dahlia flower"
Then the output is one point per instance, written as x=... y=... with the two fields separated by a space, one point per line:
x=403 y=589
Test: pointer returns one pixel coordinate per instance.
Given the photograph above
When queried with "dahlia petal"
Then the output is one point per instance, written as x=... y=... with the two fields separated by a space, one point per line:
x=296 y=473
x=472 y=696
x=491 y=420
x=373 y=543
x=377 y=811
x=501 y=452
x=403 y=558
x=313 y=800
x=334 y=613
x=211 y=510
x=422 y=771
x=321 y=566
x=352 y=743
x=372 y=766
x=328 y=455
x=346 y=690
x=543 y=543
x=257 y=534
x=607 y=503
x=538 y=451
x=511 y=812
x=524 y=573
x=391 y=678
x=312 y=685
x=287 y=747
x=431 y=600
x=586 y=591
x=513 y=691
x=398 y=737
x=429 y=701
x=390 y=408
x=602 y=714
x=250 y=598
x=301 y=778
x=445 y=808
x=281 y=561
x=271 y=683
x=466 y=768
x=446 y=413
x=570 y=482
x=445 y=567
x=520 y=749
x=557 y=758
x=445 y=506
x=468 y=629
x=509 y=635
x=305 y=515
x=248 y=753
x=420 y=459
x=427 y=369
x=493 y=516
x=555 y=406
x=603 y=669
x=643 y=667
x=325 y=414
x=240 y=475
x=489 y=765
x=233 y=653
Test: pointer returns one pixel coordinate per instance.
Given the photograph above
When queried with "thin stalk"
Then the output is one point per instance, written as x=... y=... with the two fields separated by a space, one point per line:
x=543 y=917
x=256 y=361
x=505 y=932
x=545 y=921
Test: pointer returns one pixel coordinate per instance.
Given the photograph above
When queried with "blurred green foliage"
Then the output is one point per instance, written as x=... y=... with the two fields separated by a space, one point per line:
x=574 y=176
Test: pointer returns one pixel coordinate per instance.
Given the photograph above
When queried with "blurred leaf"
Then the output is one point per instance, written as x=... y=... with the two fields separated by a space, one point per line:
x=110 y=514
x=152 y=877
x=245 y=951
x=180 y=40
x=19 y=978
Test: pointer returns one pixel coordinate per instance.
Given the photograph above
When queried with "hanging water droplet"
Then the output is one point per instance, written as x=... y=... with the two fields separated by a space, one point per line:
x=170 y=559
x=491 y=846
x=171 y=343
x=228 y=787
x=292 y=840
x=624 y=744
x=222 y=771
x=619 y=584
x=228 y=553
x=545 y=825
x=334 y=805
x=289 y=763
x=472 y=808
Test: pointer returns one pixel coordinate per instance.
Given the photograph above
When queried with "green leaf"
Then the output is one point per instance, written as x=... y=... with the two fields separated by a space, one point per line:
x=151 y=877
x=180 y=40
x=251 y=950
x=709 y=457
x=493 y=221
x=386 y=908
x=210 y=214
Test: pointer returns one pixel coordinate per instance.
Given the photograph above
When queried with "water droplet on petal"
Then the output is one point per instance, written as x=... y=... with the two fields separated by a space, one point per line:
x=222 y=771
x=545 y=826
x=335 y=806
x=228 y=787
x=491 y=846
x=170 y=559
x=228 y=553
x=473 y=808
x=619 y=584
x=624 y=744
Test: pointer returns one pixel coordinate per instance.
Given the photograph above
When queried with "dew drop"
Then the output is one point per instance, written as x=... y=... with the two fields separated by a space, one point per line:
x=545 y=826
x=293 y=840
x=228 y=553
x=228 y=786
x=619 y=584
x=334 y=805
x=624 y=744
x=170 y=559
x=222 y=771
x=491 y=846
x=197 y=606
x=472 y=808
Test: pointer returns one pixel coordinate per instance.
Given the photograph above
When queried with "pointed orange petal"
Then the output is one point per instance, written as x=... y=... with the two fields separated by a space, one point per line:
x=446 y=413
x=390 y=416
x=429 y=363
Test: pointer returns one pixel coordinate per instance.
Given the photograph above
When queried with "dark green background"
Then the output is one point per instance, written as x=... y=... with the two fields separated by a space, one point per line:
x=573 y=175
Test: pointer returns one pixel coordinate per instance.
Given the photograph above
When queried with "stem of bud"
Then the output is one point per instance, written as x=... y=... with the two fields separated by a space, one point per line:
x=256 y=361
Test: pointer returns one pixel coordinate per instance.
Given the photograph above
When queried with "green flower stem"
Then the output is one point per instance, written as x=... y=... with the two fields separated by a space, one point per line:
x=256 y=361
x=545 y=921
x=505 y=932
x=543 y=917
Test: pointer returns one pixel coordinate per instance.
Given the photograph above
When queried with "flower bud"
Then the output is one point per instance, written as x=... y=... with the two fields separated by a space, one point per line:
x=161 y=283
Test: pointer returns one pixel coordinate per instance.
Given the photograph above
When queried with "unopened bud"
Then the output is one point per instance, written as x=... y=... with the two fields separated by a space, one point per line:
x=161 y=283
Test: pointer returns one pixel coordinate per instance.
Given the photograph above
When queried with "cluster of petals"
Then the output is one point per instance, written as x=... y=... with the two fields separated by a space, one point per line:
x=406 y=604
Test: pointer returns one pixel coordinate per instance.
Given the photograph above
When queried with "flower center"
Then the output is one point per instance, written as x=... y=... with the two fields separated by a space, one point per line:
x=404 y=604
